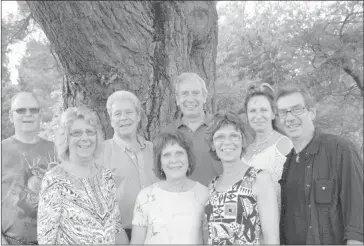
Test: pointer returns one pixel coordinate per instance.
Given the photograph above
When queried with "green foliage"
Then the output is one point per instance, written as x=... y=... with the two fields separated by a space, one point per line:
x=38 y=72
x=319 y=44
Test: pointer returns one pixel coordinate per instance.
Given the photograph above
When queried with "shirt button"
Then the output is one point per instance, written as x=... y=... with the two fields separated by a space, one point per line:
x=310 y=227
x=308 y=185
x=309 y=205
x=323 y=188
x=308 y=166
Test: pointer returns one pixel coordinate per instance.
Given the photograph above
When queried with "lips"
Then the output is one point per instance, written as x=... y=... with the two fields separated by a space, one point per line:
x=84 y=146
x=228 y=149
x=293 y=126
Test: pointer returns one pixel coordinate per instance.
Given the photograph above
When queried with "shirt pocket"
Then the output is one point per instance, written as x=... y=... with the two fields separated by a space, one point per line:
x=324 y=191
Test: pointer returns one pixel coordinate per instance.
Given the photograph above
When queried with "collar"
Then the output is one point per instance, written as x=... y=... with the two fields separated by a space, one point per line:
x=312 y=147
x=124 y=146
x=178 y=123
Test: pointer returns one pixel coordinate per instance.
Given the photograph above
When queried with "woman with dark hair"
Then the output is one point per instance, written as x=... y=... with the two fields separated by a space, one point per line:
x=77 y=203
x=242 y=201
x=269 y=148
x=170 y=211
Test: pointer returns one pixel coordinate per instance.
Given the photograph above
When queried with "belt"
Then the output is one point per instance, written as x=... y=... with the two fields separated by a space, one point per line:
x=15 y=241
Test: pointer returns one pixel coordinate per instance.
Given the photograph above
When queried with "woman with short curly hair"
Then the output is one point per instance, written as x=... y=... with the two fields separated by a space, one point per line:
x=77 y=203
x=171 y=211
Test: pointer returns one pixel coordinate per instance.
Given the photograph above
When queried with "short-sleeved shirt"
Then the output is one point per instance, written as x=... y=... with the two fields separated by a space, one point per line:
x=75 y=210
x=171 y=217
x=132 y=172
x=23 y=167
x=206 y=167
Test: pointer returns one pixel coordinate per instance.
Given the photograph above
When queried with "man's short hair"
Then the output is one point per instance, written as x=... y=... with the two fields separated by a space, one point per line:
x=120 y=96
x=13 y=98
x=185 y=76
x=295 y=88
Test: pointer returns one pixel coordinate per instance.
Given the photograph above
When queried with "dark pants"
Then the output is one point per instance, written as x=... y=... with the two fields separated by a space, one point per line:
x=128 y=232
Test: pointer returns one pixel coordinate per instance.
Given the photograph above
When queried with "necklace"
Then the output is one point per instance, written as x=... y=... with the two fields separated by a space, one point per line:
x=257 y=146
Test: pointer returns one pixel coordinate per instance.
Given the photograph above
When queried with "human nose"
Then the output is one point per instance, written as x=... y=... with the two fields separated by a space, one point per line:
x=290 y=115
x=84 y=135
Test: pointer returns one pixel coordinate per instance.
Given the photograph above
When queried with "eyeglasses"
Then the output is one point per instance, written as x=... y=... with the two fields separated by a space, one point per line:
x=222 y=138
x=24 y=110
x=295 y=111
x=78 y=134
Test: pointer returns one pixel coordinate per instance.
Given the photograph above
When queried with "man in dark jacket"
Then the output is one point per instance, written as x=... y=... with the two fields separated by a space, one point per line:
x=322 y=179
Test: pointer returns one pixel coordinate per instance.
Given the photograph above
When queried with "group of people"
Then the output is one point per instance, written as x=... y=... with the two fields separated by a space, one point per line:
x=199 y=182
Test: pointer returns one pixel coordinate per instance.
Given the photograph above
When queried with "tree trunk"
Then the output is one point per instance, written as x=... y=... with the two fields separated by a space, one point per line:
x=140 y=46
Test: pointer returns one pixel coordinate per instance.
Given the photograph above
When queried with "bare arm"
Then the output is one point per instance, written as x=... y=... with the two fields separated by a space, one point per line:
x=268 y=207
x=138 y=234
x=284 y=146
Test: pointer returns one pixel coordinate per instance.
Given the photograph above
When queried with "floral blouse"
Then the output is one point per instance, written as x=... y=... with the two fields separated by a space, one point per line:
x=76 y=210
x=171 y=217
x=232 y=215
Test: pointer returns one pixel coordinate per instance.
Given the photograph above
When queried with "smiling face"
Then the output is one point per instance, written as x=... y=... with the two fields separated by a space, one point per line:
x=124 y=118
x=174 y=160
x=260 y=113
x=228 y=143
x=82 y=140
x=190 y=97
x=29 y=122
x=296 y=126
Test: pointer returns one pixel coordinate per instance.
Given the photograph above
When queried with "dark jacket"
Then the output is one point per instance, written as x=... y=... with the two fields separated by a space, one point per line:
x=334 y=189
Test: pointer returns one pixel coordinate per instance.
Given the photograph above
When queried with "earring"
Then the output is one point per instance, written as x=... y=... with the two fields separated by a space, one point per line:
x=161 y=173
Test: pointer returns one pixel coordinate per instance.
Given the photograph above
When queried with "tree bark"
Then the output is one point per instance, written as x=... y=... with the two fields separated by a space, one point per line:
x=140 y=46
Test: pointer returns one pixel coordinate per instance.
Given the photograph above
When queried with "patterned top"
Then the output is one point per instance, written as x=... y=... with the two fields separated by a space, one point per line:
x=76 y=210
x=232 y=215
x=171 y=217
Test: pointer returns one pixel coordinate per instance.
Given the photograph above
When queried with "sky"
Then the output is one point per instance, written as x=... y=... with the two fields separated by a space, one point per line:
x=9 y=10
x=17 y=49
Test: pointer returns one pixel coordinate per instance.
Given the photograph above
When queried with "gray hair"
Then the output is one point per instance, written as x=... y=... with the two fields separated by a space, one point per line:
x=67 y=119
x=185 y=76
x=13 y=98
x=120 y=96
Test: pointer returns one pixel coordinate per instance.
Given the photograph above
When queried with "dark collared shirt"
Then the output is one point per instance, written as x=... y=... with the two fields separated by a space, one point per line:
x=206 y=167
x=333 y=189
x=295 y=219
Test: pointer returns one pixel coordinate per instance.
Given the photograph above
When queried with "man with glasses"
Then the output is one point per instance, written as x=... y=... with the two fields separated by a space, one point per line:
x=322 y=179
x=25 y=159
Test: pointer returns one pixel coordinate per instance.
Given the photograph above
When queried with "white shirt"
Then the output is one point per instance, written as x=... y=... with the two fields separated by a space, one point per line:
x=171 y=217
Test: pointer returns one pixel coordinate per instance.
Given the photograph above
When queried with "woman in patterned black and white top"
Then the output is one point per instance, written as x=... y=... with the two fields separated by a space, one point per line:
x=77 y=203
x=242 y=201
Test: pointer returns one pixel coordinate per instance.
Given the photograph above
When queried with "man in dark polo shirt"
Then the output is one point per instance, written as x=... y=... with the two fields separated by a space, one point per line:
x=191 y=94
x=322 y=179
